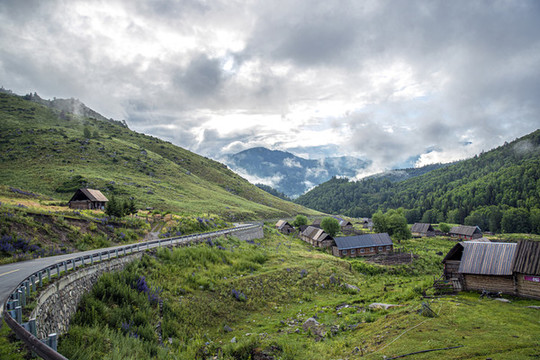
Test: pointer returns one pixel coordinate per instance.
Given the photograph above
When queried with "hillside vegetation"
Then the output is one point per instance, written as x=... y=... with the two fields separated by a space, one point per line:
x=230 y=299
x=48 y=150
x=498 y=190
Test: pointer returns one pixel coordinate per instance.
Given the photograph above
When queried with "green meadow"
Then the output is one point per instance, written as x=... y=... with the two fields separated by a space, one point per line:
x=230 y=299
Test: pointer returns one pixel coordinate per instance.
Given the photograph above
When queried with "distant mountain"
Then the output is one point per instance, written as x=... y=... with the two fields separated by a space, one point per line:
x=288 y=173
x=497 y=190
x=53 y=147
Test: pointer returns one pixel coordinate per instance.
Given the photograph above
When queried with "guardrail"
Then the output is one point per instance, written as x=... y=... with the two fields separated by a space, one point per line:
x=17 y=300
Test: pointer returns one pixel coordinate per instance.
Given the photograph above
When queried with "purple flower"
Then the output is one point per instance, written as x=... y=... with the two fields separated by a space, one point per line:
x=240 y=296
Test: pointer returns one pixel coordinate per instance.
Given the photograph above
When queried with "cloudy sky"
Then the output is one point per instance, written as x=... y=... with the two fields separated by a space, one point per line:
x=397 y=82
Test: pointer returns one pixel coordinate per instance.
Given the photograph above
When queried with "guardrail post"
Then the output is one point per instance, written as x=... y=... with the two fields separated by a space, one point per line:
x=92 y=259
x=124 y=251
x=40 y=278
x=100 y=257
x=33 y=282
x=116 y=252
x=73 y=263
x=18 y=314
x=32 y=326
x=27 y=286
x=49 y=274
x=65 y=267
x=82 y=260
x=138 y=247
x=53 y=341
x=159 y=243
x=57 y=270
x=109 y=255
x=22 y=296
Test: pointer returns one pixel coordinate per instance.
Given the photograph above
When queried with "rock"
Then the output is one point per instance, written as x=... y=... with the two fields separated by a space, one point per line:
x=227 y=328
x=502 y=300
x=315 y=327
x=233 y=340
x=378 y=306
x=351 y=287
x=342 y=306
x=534 y=307
x=310 y=323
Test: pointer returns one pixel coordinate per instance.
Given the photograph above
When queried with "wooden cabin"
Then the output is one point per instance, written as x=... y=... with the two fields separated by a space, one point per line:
x=84 y=199
x=526 y=269
x=317 y=237
x=466 y=232
x=362 y=245
x=367 y=223
x=422 y=230
x=345 y=225
x=284 y=227
x=478 y=266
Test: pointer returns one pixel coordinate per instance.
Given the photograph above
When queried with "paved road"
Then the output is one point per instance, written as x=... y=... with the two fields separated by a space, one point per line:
x=12 y=274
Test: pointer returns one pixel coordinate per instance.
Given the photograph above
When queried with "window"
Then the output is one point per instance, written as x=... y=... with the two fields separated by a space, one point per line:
x=362 y=251
x=388 y=248
x=380 y=248
x=344 y=252
x=353 y=252
x=372 y=249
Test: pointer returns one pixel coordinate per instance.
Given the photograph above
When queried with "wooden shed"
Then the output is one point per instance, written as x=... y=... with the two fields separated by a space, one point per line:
x=362 y=245
x=466 y=232
x=422 y=230
x=526 y=269
x=284 y=227
x=479 y=266
x=317 y=237
x=88 y=199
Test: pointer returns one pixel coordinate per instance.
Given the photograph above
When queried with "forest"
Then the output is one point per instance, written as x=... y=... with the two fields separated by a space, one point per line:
x=498 y=190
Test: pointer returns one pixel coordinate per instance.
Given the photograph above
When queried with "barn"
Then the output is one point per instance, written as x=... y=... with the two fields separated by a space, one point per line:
x=317 y=237
x=362 y=245
x=466 y=232
x=527 y=269
x=284 y=227
x=88 y=199
x=422 y=230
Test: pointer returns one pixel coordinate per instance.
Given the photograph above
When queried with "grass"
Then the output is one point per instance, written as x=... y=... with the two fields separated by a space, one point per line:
x=45 y=152
x=260 y=293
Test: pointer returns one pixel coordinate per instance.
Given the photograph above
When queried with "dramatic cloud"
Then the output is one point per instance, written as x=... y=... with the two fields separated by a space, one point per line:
x=401 y=83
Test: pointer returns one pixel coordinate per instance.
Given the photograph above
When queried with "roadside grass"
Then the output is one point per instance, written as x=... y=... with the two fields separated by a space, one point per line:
x=230 y=299
x=10 y=347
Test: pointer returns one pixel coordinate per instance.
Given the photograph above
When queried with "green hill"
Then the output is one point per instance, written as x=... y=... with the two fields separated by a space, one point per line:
x=497 y=190
x=48 y=149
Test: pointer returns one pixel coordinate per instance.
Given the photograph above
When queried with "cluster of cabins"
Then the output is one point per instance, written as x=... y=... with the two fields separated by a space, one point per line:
x=343 y=246
x=459 y=232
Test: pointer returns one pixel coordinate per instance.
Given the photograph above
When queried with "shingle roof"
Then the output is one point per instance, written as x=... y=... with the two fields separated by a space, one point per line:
x=465 y=230
x=94 y=195
x=527 y=260
x=358 y=241
x=421 y=228
x=487 y=258
x=282 y=223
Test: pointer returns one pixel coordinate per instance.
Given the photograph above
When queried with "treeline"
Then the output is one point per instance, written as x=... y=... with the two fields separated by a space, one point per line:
x=273 y=191
x=498 y=190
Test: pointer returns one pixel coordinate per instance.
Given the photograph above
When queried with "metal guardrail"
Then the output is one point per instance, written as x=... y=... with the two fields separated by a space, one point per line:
x=17 y=300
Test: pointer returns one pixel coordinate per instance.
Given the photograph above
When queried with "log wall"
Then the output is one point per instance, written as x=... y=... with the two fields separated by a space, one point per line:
x=504 y=284
x=526 y=288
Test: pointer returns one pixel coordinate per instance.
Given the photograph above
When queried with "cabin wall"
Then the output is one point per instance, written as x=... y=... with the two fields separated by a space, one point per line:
x=493 y=283
x=368 y=251
x=451 y=269
x=528 y=285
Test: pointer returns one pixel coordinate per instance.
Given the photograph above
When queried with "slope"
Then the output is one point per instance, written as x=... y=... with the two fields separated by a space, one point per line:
x=53 y=152
x=486 y=186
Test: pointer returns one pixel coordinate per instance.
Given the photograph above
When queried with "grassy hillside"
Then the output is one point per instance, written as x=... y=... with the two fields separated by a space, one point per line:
x=250 y=300
x=54 y=152
x=481 y=191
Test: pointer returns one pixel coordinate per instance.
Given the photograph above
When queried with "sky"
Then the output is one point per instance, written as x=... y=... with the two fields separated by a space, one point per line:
x=400 y=83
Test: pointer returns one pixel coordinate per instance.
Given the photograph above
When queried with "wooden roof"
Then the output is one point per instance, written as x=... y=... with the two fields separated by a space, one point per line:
x=527 y=260
x=487 y=258
x=90 y=194
x=281 y=223
x=421 y=228
x=465 y=230
x=359 y=241
x=316 y=234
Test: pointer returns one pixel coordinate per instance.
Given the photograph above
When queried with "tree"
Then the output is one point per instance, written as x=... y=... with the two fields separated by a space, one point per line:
x=130 y=207
x=330 y=226
x=300 y=220
x=392 y=222
x=445 y=228
x=516 y=220
x=114 y=208
x=87 y=133
x=535 y=221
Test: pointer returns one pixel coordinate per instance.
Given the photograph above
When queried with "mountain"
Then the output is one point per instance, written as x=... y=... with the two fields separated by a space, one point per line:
x=288 y=173
x=53 y=147
x=495 y=190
